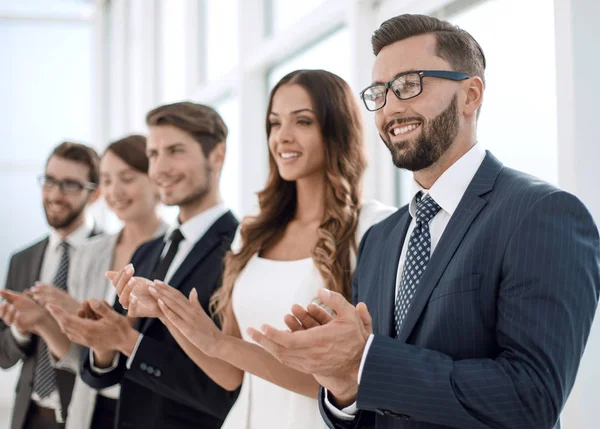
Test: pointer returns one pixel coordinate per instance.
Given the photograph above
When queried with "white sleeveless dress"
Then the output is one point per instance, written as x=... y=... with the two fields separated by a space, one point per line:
x=264 y=293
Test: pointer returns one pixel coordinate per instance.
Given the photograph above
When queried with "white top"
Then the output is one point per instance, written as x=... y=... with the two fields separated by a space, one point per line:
x=264 y=293
x=447 y=191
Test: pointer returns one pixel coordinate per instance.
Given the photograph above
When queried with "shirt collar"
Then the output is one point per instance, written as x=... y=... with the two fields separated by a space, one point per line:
x=76 y=238
x=194 y=228
x=450 y=187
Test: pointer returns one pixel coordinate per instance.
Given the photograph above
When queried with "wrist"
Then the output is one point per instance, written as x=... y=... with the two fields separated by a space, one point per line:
x=342 y=398
x=103 y=358
x=221 y=346
x=130 y=339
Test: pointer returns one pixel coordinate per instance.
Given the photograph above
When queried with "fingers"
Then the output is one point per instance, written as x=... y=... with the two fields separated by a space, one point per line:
x=125 y=295
x=121 y=279
x=9 y=315
x=336 y=301
x=365 y=316
x=102 y=309
x=304 y=317
x=172 y=317
x=110 y=275
x=292 y=323
x=172 y=298
x=319 y=314
x=9 y=295
x=194 y=298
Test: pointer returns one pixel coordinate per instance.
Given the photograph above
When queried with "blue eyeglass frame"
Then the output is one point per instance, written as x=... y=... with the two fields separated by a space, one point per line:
x=442 y=74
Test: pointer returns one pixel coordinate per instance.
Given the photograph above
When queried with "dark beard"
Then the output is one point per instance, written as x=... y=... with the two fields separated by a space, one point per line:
x=435 y=138
x=67 y=221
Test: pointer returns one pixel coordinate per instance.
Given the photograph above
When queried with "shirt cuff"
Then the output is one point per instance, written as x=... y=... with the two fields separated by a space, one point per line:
x=130 y=360
x=347 y=414
x=112 y=366
x=364 y=356
x=21 y=339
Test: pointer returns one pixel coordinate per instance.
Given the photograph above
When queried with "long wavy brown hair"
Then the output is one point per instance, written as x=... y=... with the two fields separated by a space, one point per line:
x=340 y=121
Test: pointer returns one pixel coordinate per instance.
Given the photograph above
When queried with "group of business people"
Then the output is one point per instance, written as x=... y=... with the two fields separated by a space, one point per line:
x=468 y=308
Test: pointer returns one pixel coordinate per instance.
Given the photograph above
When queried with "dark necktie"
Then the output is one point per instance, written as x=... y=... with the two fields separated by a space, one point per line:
x=44 y=380
x=417 y=257
x=163 y=266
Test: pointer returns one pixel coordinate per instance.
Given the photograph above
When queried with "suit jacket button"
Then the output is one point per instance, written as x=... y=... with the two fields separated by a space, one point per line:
x=150 y=370
x=157 y=373
x=143 y=366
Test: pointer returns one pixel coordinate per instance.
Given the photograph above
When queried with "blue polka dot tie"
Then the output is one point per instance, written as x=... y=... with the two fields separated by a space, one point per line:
x=417 y=257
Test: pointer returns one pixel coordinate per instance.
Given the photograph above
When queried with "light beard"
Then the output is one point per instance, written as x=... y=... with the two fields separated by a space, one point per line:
x=198 y=194
x=436 y=137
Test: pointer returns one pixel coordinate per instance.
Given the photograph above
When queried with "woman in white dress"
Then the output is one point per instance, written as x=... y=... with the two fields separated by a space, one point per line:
x=304 y=238
x=129 y=193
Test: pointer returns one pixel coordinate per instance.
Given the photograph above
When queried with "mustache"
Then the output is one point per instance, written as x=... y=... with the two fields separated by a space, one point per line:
x=402 y=121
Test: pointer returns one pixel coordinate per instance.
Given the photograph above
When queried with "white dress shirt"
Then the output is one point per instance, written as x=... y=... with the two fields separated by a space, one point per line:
x=447 y=191
x=192 y=230
x=50 y=263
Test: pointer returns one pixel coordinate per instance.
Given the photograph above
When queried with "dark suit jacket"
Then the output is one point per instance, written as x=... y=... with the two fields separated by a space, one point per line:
x=499 y=322
x=24 y=270
x=164 y=388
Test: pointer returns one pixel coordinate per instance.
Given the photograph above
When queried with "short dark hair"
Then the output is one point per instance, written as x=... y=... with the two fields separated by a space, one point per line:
x=202 y=122
x=454 y=44
x=79 y=153
x=132 y=151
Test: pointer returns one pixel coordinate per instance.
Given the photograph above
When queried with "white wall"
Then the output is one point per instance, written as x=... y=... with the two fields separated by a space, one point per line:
x=45 y=88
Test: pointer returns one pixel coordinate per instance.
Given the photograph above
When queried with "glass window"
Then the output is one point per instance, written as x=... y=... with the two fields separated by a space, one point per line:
x=172 y=50
x=518 y=121
x=284 y=13
x=222 y=31
x=230 y=178
x=331 y=54
x=72 y=8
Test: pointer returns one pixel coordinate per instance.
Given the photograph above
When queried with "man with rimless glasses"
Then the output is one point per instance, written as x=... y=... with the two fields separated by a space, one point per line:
x=28 y=333
x=471 y=305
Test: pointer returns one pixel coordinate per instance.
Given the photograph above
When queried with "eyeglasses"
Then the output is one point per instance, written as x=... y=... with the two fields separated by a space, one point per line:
x=404 y=86
x=72 y=187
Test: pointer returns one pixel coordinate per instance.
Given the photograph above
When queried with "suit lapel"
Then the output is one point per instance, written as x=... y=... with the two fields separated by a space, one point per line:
x=389 y=272
x=37 y=259
x=469 y=207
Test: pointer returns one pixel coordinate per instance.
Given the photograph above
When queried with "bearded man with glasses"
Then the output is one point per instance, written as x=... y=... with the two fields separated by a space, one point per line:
x=475 y=301
x=28 y=333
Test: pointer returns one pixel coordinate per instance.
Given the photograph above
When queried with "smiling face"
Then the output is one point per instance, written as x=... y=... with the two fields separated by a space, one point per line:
x=418 y=131
x=178 y=166
x=128 y=192
x=295 y=140
x=64 y=209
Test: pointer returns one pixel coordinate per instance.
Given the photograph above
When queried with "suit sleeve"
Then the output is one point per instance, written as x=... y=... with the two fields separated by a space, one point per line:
x=546 y=302
x=165 y=369
x=10 y=351
x=361 y=417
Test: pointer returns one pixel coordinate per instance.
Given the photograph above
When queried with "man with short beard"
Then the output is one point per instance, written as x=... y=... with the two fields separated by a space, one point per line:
x=475 y=301
x=27 y=331
x=161 y=387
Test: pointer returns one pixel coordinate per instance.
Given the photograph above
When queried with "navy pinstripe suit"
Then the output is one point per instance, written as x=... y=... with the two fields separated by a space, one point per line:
x=497 y=327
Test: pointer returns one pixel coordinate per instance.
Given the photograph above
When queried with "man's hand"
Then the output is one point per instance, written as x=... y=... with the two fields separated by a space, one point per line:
x=22 y=311
x=131 y=288
x=331 y=351
x=110 y=331
x=188 y=317
x=45 y=294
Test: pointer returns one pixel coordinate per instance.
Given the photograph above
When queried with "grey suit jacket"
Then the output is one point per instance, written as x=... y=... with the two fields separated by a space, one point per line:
x=498 y=324
x=24 y=270
x=87 y=280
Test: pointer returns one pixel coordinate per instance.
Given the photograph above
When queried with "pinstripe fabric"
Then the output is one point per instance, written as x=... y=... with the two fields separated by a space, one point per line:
x=497 y=327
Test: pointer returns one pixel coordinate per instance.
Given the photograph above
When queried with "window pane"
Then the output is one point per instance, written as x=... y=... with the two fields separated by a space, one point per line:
x=331 y=54
x=518 y=120
x=221 y=37
x=230 y=179
x=284 y=13
x=172 y=50
x=71 y=8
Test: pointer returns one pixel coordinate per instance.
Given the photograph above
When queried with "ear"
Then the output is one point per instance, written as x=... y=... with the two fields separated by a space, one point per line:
x=217 y=156
x=474 y=96
x=94 y=195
